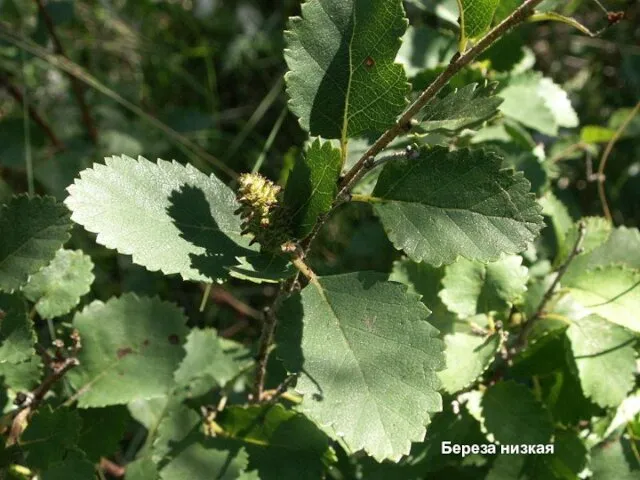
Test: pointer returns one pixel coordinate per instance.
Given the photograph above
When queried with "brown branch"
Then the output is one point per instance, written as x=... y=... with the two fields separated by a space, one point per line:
x=76 y=86
x=33 y=113
x=264 y=346
x=111 y=468
x=605 y=156
x=539 y=313
x=221 y=295
x=403 y=124
x=365 y=163
x=28 y=402
x=457 y=63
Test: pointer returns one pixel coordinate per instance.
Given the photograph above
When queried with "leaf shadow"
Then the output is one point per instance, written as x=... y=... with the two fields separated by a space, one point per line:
x=289 y=340
x=192 y=215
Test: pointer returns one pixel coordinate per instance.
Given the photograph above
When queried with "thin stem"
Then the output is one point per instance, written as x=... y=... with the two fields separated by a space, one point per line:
x=27 y=129
x=257 y=115
x=76 y=86
x=264 y=345
x=605 y=156
x=190 y=148
x=366 y=163
x=270 y=139
x=539 y=313
x=457 y=63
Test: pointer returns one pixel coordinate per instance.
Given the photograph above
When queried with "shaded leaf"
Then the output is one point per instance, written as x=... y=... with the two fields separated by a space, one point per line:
x=142 y=469
x=443 y=204
x=166 y=215
x=262 y=268
x=611 y=292
x=17 y=336
x=425 y=280
x=359 y=337
x=312 y=186
x=343 y=80
x=513 y=415
x=74 y=465
x=102 y=430
x=130 y=349
x=281 y=444
x=50 y=435
x=211 y=360
x=33 y=229
x=23 y=376
x=58 y=287
x=473 y=287
x=205 y=458
x=463 y=108
x=468 y=356
x=601 y=351
x=609 y=461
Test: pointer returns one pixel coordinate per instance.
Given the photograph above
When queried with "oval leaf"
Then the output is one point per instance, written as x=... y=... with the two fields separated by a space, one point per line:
x=168 y=216
x=343 y=80
x=368 y=360
x=443 y=204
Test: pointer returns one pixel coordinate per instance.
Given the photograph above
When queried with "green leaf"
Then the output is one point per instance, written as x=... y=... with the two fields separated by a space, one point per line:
x=142 y=469
x=211 y=360
x=50 y=435
x=368 y=360
x=425 y=280
x=609 y=461
x=473 y=287
x=312 y=186
x=17 y=336
x=33 y=229
x=176 y=425
x=560 y=219
x=130 y=348
x=468 y=356
x=74 y=465
x=597 y=232
x=538 y=103
x=202 y=458
x=102 y=430
x=23 y=376
x=463 y=108
x=58 y=287
x=262 y=268
x=621 y=247
x=475 y=18
x=343 y=81
x=169 y=217
x=443 y=204
x=425 y=48
x=281 y=444
x=513 y=415
x=603 y=351
x=596 y=134
x=611 y=292
x=567 y=461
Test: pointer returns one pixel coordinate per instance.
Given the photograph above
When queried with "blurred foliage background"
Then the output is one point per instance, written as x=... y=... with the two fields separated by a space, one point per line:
x=201 y=81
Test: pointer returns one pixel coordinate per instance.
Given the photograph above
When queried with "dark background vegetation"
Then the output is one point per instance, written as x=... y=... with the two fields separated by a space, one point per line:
x=212 y=72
